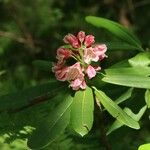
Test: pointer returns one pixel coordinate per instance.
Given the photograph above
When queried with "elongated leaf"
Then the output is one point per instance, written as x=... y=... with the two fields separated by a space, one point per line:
x=51 y=128
x=124 y=96
x=136 y=117
x=82 y=111
x=129 y=71
x=147 y=98
x=128 y=80
x=119 y=46
x=115 y=28
x=140 y=60
x=43 y=65
x=115 y=110
x=25 y=97
x=144 y=147
x=120 y=64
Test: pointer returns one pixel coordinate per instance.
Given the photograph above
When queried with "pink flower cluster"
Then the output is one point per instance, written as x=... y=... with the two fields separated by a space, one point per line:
x=79 y=48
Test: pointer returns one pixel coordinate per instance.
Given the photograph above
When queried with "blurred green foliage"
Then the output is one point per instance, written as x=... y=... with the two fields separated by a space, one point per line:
x=34 y=29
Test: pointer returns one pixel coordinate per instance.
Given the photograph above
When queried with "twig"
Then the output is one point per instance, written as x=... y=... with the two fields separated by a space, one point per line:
x=12 y=8
x=17 y=38
x=13 y=36
x=103 y=139
x=35 y=101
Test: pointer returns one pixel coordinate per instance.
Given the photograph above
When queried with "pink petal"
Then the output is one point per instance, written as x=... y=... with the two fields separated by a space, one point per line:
x=76 y=84
x=72 y=40
x=83 y=85
x=90 y=72
x=89 y=40
x=100 y=49
x=81 y=36
x=75 y=71
x=61 y=74
x=63 y=54
x=89 y=55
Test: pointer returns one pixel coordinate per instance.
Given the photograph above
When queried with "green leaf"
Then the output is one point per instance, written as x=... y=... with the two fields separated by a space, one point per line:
x=140 y=60
x=43 y=65
x=147 y=98
x=144 y=147
x=82 y=111
x=129 y=71
x=128 y=80
x=119 y=46
x=124 y=96
x=27 y=96
x=115 y=110
x=120 y=64
x=53 y=126
x=136 y=117
x=115 y=28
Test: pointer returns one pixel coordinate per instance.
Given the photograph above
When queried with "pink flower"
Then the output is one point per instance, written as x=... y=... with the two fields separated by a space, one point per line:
x=100 y=50
x=90 y=71
x=95 y=54
x=63 y=54
x=81 y=36
x=57 y=67
x=83 y=52
x=90 y=55
x=77 y=83
x=89 y=40
x=74 y=72
x=61 y=74
x=72 y=40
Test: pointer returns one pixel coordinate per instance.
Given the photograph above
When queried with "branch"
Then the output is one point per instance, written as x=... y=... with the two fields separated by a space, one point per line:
x=17 y=38
x=12 y=9
x=13 y=36
x=33 y=102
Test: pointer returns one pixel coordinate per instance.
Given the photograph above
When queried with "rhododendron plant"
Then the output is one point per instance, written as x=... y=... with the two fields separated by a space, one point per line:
x=76 y=88
x=81 y=49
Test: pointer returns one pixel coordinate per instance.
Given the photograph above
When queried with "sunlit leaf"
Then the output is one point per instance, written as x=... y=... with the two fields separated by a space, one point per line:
x=147 y=98
x=144 y=147
x=53 y=125
x=124 y=96
x=120 y=64
x=129 y=71
x=128 y=80
x=115 y=28
x=140 y=60
x=115 y=110
x=117 y=124
x=82 y=111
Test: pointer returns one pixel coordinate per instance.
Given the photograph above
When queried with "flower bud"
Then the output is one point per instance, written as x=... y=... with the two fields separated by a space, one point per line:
x=72 y=40
x=89 y=40
x=63 y=54
x=81 y=36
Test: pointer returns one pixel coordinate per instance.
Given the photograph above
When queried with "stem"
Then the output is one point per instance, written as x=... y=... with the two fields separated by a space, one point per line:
x=103 y=138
